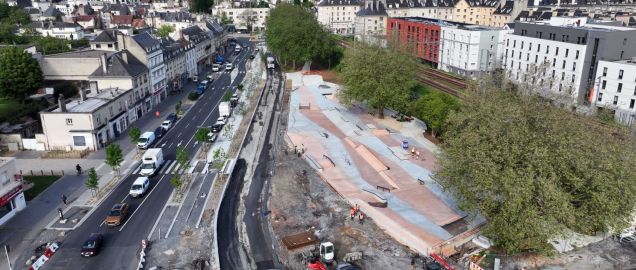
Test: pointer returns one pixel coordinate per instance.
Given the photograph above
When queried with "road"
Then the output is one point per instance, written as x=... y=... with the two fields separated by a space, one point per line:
x=122 y=243
x=256 y=226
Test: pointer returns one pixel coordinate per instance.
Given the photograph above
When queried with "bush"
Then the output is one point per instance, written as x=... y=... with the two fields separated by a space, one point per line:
x=193 y=96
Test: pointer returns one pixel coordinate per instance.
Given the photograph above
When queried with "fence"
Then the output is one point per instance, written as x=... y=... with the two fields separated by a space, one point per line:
x=42 y=172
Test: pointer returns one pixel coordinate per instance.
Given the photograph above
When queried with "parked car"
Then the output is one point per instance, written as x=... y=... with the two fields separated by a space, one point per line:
x=92 y=245
x=117 y=214
x=166 y=124
x=159 y=132
x=172 y=117
x=216 y=67
x=221 y=119
x=212 y=136
x=217 y=127
x=139 y=187
x=146 y=139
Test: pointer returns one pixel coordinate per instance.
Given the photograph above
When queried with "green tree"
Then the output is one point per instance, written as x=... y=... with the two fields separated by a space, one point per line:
x=536 y=171
x=360 y=69
x=262 y=4
x=202 y=136
x=433 y=108
x=92 y=183
x=165 y=30
x=134 y=134
x=21 y=74
x=183 y=157
x=227 y=131
x=218 y=158
x=52 y=45
x=294 y=35
x=224 y=18
x=114 y=157
x=227 y=96
x=201 y=5
x=176 y=181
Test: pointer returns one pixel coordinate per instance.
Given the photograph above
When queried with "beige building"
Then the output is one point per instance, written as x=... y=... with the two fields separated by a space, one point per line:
x=119 y=94
x=72 y=66
x=475 y=11
x=11 y=192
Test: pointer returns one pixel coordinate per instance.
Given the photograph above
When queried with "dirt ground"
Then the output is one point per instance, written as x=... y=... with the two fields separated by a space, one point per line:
x=306 y=203
x=184 y=252
x=607 y=254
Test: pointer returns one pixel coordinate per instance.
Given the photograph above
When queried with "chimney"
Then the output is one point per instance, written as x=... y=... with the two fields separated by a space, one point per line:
x=104 y=63
x=82 y=94
x=124 y=56
x=61 y=102
x=121 y=44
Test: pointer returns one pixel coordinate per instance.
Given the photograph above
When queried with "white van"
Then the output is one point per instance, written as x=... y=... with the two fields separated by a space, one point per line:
x=139 y=187
x=229 y=66
x=146 y=139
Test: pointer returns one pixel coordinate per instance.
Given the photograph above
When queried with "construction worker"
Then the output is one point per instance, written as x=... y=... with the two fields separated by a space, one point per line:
x=361 y=217
x=417 y=155
x=353 y=213
x=413 y=151
x=357 y=208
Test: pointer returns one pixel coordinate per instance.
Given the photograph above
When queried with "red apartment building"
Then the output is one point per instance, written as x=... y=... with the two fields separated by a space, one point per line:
x=420 y=36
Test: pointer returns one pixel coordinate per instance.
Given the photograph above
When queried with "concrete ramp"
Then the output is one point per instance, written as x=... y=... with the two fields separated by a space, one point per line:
x=370 y=158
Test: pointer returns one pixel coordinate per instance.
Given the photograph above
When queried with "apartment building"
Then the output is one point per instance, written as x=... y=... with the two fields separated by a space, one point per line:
x=475 y=11
x=615 y=89
x=11 y=191
x=371 y=21
x=419 y=36
x=202 y=42
x=243 y=17
x=148 y=50
x=174 y=56
x=470 y=50
x=566 y=52
x=338 y=15
x=437 y=9
x=106 y=40
x=63 y=30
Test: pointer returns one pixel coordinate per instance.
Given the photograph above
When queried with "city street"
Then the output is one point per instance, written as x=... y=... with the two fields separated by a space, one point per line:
x=122 y=243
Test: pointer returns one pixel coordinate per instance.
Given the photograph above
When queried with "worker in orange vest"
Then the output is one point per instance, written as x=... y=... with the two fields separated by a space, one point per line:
x=353 y=213
x=361 y=217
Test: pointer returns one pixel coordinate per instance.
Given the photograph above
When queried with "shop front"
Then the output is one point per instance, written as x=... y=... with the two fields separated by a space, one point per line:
x=11 y=193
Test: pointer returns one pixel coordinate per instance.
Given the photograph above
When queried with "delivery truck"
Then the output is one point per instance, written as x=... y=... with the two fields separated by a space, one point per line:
x=151 y=161
x=225 y=109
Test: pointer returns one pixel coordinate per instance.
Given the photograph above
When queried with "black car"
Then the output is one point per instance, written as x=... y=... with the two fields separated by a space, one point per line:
x=216 y=127
x=92 y=245
x=172 y=117
x=159 y=132
x=252 y=56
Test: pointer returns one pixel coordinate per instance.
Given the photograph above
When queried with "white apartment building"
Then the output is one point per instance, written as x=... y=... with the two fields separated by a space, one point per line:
x=470 y=50
x=11 y=191
x=64 y=30
x=371 y=22
x=148 y=50
x=616 y=89
x=558 y=58
x=438 y=9
x=338 y=16
x=190 y=58
x=243 y=18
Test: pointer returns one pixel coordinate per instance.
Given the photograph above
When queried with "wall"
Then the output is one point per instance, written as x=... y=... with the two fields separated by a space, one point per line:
x=58 y=135
x=70 y=69
x=607 y=94
x=424 y=46
x=338 y=19
x=462 y=12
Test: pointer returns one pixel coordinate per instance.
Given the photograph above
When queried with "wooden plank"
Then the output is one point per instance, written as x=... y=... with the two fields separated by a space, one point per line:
x=299 y=240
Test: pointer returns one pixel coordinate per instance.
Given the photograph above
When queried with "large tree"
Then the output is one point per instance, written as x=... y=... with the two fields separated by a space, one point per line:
x=21 y=75
x=536 y=171
x=165 y=30
x=380 y=77
x=294 y=35
x=433 y=107
x=201 y=5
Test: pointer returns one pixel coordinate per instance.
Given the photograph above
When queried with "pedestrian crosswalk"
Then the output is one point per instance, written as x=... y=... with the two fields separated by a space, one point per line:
x=168 y=167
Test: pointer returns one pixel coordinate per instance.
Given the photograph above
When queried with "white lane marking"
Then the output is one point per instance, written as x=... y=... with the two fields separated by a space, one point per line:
x=142 y=203
x=171 y=165
x=100 y=166
x=179 y=135
x=164 y=144
x=165 y=166
x=180 y=142
x=170 y=144
x=187 y=125
x=176 y=169
x=136 y=171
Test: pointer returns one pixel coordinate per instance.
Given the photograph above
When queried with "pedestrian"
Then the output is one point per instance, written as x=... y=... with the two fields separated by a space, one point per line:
x=64 y=199
x=357 y=208
x=361 y=217
x=353 y=213
x=417 y=155
x=413 y=151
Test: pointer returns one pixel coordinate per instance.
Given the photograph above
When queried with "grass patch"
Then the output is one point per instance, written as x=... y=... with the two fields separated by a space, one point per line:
x=40 y=183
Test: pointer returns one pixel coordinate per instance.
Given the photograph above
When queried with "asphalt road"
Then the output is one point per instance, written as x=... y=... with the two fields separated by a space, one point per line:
x=255 y=222
x=123 y=243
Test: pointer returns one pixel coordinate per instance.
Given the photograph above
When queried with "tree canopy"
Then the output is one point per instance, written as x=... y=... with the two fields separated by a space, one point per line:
x=165 y=30
x=21 y=75
x=380 y=77
x=536 y=171
x=10 y=18
x=433 y=107
x=201 y=5
x=293 y=34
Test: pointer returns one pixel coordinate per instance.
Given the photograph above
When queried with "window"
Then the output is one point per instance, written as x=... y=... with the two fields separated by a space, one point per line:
x=536 y=59
x=622 y=52
x=631 y=104
x=567 y=52
x=615 y=100
x=538 y=47
x=522 y=45
x=620 y=87
x=624 y=41
x=514 y=43
x=563 y=66
x=604 y=84
x=554 y=62
x=600 y=97
x=547 y=49
x=573 y=78
x=620 y=74
x=604 y=71
x=69 y=121
x=573 y=66
x=98 y=45
x=79 y=140
x=576 y=56
x=562 y=75
x=553 y=73
x=557 y=51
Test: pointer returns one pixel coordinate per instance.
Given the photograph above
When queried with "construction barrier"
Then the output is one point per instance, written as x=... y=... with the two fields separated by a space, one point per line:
x=142 y=254
x=48 y=253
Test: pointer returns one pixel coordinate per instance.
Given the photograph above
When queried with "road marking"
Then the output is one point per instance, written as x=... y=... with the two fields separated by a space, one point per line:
x=179 y=135
x=165 y=166
x=100 y=166
x=142 y=203
x=188 y=124
x=176 y=168
x=194 y=117
x=164 y=144
x=180 y=142
x=136 y=171
x=170 y=168
x=170 y=144
x=196 y=142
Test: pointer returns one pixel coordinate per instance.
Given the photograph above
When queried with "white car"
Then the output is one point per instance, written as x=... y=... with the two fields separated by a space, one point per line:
x=221 y=119
x=216 y=67
x=167 y=124
x=229 y=66
x=139 y=187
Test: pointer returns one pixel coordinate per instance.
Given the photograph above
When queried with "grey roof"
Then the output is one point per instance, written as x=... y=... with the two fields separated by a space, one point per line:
x=215 y=27
x=506 y=8
x=180 y=16
x=171 y=48
x=118 y=67
x=372 y=8
x=192 y=30
x=24 y=3
x=80 y=54
x=123 y=9
x=52 y=12
x=483 y=3
x=146 y=41
x=576 y=2
x=32 y=10
x=106 y=36
x=391 y=4
x=54 y=24
x=339 y=3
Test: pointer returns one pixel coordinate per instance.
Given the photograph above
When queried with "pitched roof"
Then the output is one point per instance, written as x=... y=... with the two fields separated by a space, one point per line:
x=49 y=25
x=146 y=41
x=483 y=3
x=121 y=19
x=214 y=27
x=505 y=9
x=339 y=3
x=372 y=8
x=179 y=16
x=138 y=23
x=106 y=36
x=84 y=18
x=121 y=8
x=32 y=10
x=121 y=64
x=192 y=30
x=52 y=12
x=391 y=4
